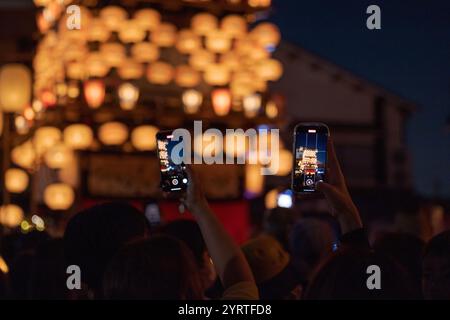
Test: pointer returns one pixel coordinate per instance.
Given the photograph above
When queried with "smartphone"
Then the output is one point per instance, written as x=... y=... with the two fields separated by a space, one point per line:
x=310 y=156
x=173 y=176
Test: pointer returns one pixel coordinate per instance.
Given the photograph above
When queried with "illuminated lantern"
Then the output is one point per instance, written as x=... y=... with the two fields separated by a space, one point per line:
x=217 y=41
x=271 y=110
x=113 y=133
x=96 y=66
x=204 y=23
x=128 y=95
x=21 y=125
x=217 y=75
x=143 y=138
x=188 y=41
x=58 y=156
x=165 y=35
x=266 y=35
x=145 y=52
x=244 y=46
x=254 y=180
x=221 y=101
x=45 y=138
x=42 y=24
x=187 y=77
x=16 y=180
x=78 y=136
x=148 y=19
x=94 y=93
x=113 y=17
x=113 y=53
x=131 y=31
x=252 y=105
x=48 y=97
x=160 y=73
x=271 y=199
x=259 y=3
x=74 y=51
x=258 y=53
x=11 y=215
x=234 y=26
x=73 y=91
x=59 y=196
x=24 y=155
x=230 y=60
x=130 y=69
x=76 y=70
x=98 y=31
x=15 y=87
x=192 y=100
x=269 y=69
x=200 y=59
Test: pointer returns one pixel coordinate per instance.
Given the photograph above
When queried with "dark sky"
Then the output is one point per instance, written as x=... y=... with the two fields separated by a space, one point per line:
x=409 y=56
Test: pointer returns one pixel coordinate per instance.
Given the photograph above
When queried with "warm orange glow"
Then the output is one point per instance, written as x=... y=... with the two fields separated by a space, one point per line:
x=221 y=101
x=94 y=93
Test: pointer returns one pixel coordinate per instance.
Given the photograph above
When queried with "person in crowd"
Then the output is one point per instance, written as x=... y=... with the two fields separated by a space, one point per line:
x=436 y=267
x=190 y=234
x=274 y=274
x=162 y=253
x=94 y=235
x=278 y=223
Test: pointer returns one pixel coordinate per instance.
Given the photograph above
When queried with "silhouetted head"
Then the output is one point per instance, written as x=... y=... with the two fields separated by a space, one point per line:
x=436 y=267
x=93 y=237
x=278 y=223
x=159 y=268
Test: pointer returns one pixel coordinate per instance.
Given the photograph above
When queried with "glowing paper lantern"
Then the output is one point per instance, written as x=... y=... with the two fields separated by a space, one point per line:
x=130 y=69
x=192 y=100
x=269 y=70
x=188 y=41
x=48 y=97
x=143 y=138
x=94 y=93
x=204 y=23
x=78 y=136
x=113 y=17
x=234 y=26
x=113 y=53
x=15 y=87
x=160 y=73
x=58 y=156
x=165 y=35
x=113 y=133
x=218 y=41
x=98 y=31
x=74 y=51
x=259 y=3
x=201 y=59
x=131 y=31
x=45 y=138
x=96 y=66
x=148 y=19
x=271 y=199
x=16 y=180
x=24 y=155
x=254 y=180
x=271 y=110
x=73 y=91
x=11 y=215
x=252 y=105
x=145 y=52
x=230 y=60
x=76 y=70
x=128 y=95
x=221 y=101
x=217 y=75
x=266 y=35
x=186 y=76
x=59 y=196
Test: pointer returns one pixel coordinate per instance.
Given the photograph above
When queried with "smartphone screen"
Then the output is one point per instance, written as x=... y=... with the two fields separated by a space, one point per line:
x=310 y=156
x=173 y=176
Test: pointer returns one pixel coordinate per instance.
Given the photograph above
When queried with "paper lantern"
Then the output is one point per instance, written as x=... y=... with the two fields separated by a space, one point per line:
x=11 y=215
x=148 y=19
x=94 y=93
x=78 y=136
x=258 y=53
x=269 y=70
x=271 y=199
x=131 y=31
x=200 y=59
x=231 y=61
x=254 y=180
x=204 y=23
x=252 y=105
x=259 y=3
x=192 y=100
x=221 y=101
x=15 y=87
x=165 y=35
x=76 y=70
x=58 y=156
x=145 y=52
x=143 y=138
x=160 y=73
x=113 y=133
x=217 y=75
x=130 y=69
x=96 y=65
x=113 y=17
x=218 y=41
x=24 y=155
x=74 y=51
x=271 y=110
x=128 y=95
x=16 y=180
x=188 y=41
x=234 y=26
x=45 y=138
x=113 y=53
x=186 y=76
x=98 y=31
x=48 y=97
x=73 y=91
x=59 y=196
x=266 y=34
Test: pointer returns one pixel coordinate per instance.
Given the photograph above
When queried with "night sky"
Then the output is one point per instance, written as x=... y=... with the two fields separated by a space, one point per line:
x=409 y=56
